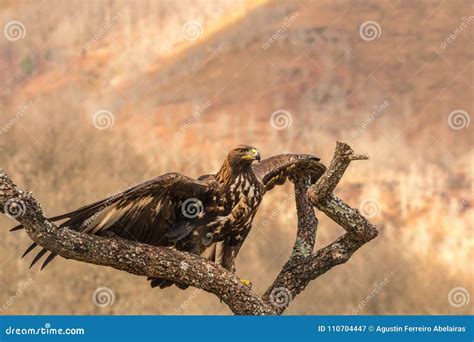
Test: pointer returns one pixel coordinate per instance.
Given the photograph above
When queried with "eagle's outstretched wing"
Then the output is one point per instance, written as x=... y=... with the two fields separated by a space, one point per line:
x=277 y=169
x=156 y=212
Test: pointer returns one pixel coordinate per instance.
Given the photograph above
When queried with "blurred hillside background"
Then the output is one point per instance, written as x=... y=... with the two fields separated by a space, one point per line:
x=96 y=96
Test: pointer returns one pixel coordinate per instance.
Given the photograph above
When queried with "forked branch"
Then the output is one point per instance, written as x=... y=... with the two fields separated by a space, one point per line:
x=301 y=268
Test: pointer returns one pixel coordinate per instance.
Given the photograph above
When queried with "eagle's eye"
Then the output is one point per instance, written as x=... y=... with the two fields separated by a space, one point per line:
x=241 y=150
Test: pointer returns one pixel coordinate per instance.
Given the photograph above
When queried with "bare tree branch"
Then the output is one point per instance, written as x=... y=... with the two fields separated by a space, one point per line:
x=140 y=259
x=135 y=258
x=301 y=268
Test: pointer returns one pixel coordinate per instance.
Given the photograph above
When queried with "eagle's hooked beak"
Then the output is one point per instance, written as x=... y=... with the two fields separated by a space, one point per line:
x=252 y=154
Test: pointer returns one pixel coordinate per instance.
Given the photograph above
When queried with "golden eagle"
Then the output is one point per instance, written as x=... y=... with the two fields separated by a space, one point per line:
x=192 y=215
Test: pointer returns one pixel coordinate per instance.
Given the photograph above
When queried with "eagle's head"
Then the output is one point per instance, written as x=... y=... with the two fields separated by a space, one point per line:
x=242 y=156
x=237 y=161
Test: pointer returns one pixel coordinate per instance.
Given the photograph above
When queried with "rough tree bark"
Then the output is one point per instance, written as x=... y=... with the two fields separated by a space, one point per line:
x=140 y=259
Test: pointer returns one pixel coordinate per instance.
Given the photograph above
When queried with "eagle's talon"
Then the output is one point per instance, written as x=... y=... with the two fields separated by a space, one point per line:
x=246 y=282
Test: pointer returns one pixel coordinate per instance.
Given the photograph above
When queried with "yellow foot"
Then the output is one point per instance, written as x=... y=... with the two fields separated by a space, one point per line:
x=246 y=282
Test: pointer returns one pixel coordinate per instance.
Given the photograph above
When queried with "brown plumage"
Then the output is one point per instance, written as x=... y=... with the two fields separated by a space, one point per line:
x=209 y=216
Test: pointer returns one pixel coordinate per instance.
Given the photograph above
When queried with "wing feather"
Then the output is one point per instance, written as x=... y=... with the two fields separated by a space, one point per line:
x=38 y=257
x=50 y=258
x=277 y=169
x=145 y=213
x=29 y=249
